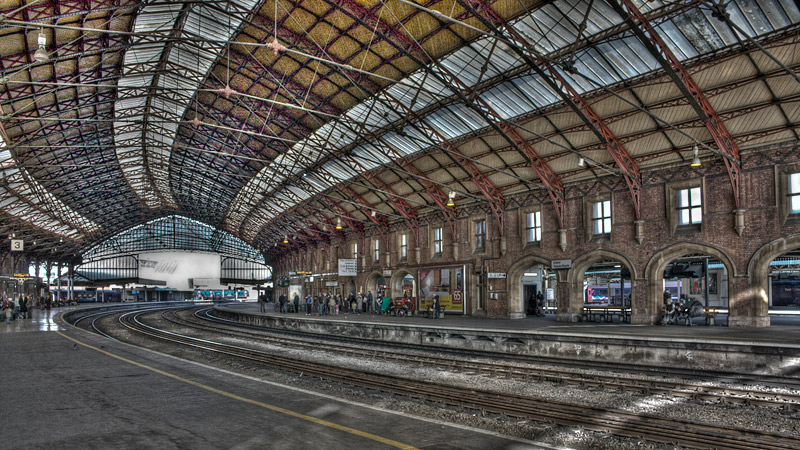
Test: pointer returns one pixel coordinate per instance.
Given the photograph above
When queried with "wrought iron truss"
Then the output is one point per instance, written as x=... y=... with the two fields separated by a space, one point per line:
x=277 y=118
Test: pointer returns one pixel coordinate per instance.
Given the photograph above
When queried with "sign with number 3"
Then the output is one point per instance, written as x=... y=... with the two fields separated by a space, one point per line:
x=17 y=245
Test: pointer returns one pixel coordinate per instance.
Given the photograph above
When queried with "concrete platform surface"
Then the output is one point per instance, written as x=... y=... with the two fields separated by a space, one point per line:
x=784 y=331
x=64 y=388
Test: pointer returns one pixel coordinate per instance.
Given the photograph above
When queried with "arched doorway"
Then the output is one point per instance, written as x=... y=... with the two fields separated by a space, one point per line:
x=349 y=287
x=530 y=275
x=600 y=278
x=373 y=283
x=403 y=283
x=774 y=282
x=689 y=272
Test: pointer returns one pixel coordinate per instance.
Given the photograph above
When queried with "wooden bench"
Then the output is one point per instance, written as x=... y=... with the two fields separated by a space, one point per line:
x=710 y=313
x=593 y=313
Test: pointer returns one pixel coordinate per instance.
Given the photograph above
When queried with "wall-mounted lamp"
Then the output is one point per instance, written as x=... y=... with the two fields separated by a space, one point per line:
x=695 y=159
x=41 y=53
x=451 y=199
x=581 y=162
x=338 y=223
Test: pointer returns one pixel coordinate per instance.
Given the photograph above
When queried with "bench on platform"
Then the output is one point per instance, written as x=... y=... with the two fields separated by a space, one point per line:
x=592 y=313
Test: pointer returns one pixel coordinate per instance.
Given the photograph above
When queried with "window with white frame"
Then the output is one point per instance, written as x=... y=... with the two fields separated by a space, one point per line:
x=480 y=235
x=377 y=249
x=437 y=241
x=601 y=217
x=355 y=249
x=533 y=226
x=689 y=206
x=794 y=193
x=403 y=246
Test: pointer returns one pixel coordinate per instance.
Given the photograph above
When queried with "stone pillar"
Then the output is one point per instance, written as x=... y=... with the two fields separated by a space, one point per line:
x=748 y=303
x=643 y=308
x=568 y=299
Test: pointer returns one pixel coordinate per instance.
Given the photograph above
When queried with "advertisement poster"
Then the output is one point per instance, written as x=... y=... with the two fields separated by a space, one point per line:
x=296 y=289
x=446 y=282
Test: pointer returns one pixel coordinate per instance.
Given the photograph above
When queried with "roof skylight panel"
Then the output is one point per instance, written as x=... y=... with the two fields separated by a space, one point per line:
x=597 y=69
x=507 y=102
x=537 y=90
x=676 y=41
x=471 y=119
x=790 y=8
x=445 y=120
x=365 y=158
x=403 y=145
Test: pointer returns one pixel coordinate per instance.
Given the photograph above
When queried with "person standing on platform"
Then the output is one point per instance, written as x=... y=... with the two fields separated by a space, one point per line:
x=539 y=305
x=309 y=301
x=371 y=303
x=296 y=303
x=262 y=303
x=437 y=307
x=23 y=308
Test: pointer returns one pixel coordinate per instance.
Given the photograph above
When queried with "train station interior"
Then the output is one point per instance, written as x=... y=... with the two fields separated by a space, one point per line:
x=591 y=181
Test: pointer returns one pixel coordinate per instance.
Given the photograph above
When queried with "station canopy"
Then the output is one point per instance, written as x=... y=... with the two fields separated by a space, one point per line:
x=280 y=120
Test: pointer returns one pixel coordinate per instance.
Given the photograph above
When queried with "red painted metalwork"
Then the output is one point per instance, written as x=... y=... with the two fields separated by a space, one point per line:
x=625 y=163
x=467 y=94
x=697 y=99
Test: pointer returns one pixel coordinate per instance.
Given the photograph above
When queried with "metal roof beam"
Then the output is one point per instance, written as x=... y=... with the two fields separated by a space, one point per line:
x=684 y=81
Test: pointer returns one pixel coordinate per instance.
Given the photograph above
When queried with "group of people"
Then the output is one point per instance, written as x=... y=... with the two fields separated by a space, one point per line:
x=12 y=311
x=681 y=308
x=334 y=304
x=536 y=304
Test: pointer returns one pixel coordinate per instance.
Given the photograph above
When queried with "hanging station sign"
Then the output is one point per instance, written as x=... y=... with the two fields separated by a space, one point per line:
x=17 y=245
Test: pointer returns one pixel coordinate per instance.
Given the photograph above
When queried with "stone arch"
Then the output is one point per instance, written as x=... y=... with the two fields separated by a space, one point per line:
x=516 y=304
x=654 y=271
x=372 y=281
x=758 y=271
x=579 y=267
x=396 y=283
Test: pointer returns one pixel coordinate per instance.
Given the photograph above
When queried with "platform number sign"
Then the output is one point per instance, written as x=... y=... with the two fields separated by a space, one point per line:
x=17 y=245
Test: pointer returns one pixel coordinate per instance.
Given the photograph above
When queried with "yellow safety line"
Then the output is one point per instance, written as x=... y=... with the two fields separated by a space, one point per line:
x=250 y=401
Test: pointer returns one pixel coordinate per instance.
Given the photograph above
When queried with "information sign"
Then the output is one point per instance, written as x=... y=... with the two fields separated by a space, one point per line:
x=348 y=267
x=561 y=264
x=496 y=274
x=17 y=245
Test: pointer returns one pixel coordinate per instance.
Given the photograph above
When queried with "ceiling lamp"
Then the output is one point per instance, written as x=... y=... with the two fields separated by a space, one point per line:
x=695 y=159
x=451 y=199
x=581 y=162
x=41 y=53
x=338 y=223
x=286 y=239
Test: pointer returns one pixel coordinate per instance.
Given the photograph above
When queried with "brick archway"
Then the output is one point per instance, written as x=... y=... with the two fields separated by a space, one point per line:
x=396 y=283
x=577 y=272
x=516 y=304
x=654 y=273
x=758 y=274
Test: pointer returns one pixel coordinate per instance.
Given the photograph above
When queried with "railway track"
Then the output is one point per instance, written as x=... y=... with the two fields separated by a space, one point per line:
x=621 y=423
x=645 y=385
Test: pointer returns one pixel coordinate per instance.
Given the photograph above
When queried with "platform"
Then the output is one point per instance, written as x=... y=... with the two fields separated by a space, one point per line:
x=68 y=389
x=773 y=350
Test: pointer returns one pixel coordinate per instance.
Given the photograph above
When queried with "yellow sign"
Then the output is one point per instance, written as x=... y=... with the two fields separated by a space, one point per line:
x=20 y=275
